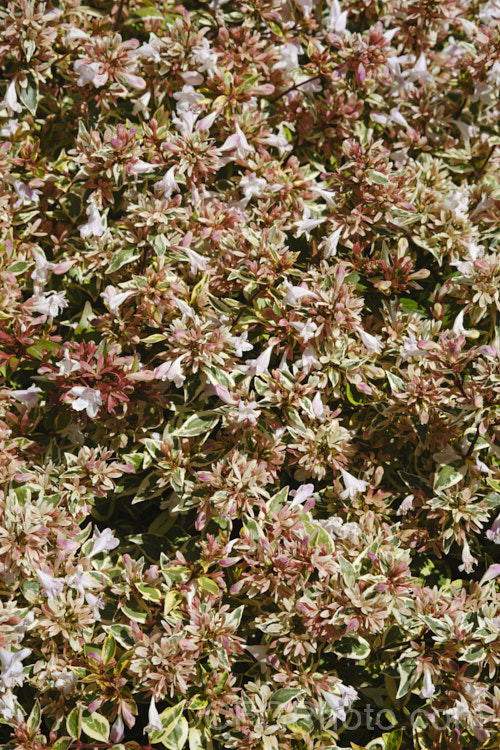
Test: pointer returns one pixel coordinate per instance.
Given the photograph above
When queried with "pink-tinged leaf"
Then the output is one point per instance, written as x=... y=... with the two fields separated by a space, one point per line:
x=492 y=572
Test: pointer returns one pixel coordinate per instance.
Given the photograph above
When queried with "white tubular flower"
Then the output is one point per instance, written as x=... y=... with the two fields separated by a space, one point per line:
x=94 y=226
x=353 y=486
x=252 y=185
x=187 y=99
x=12 y=668
x=171 y=371
x=373 y=344
x=87 y=399
x=205 y=58
x=9 y=101
x=237 y=144
x=197 y=262
x=307 y=330
x=50 y=304
x=240 y=344
x=154 y=722
x=27 y=396
x=318 y=408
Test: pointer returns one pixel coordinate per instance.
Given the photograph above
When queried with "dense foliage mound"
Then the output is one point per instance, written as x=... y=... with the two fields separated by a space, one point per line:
x=249 y=354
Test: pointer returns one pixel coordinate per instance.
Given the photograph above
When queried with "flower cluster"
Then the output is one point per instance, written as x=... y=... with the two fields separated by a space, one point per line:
x=249 y=360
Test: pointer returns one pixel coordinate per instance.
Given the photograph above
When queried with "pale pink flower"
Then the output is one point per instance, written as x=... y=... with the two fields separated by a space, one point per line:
x=171 y=371
x=301 y=494
x=50 y=585
x=494 y=533
x=260 y=364
x=117 y=730
x=406 y=505
x=337 y=18
x=103 y=542
x=25 y=194
x=248 y=412
x=114 y=298
x=167 y=185
x=295 y=293
x=237 y=144
x=428 y=688
x=468 y=561
x=89 y=73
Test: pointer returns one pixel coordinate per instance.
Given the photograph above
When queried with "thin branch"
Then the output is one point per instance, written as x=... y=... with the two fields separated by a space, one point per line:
x=294 y=87
x=119 y=14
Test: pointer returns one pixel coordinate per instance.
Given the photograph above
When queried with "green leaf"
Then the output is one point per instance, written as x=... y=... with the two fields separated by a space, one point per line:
x=74 y=723
x=124 y=634
x=377 y=177
x=395 y=382
x=19 y=267
x=278 y=500
x=149 y=593
x=121 y=258
x=285 y=695
x=352 y=647
x=393 y=740
x=177 y=737
x=33 y=721
x=134 y=612
x=39 y=348
x=108 y=650
x=347 y=571
x=198 y=424
x=207 y=584
x=407 y=670
x=474 y=654
x=169 y=719
x=96 y=727
x=63 y=743
x=447 y=476
x=148 y=12
x=318 y=536
x=29 y=94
